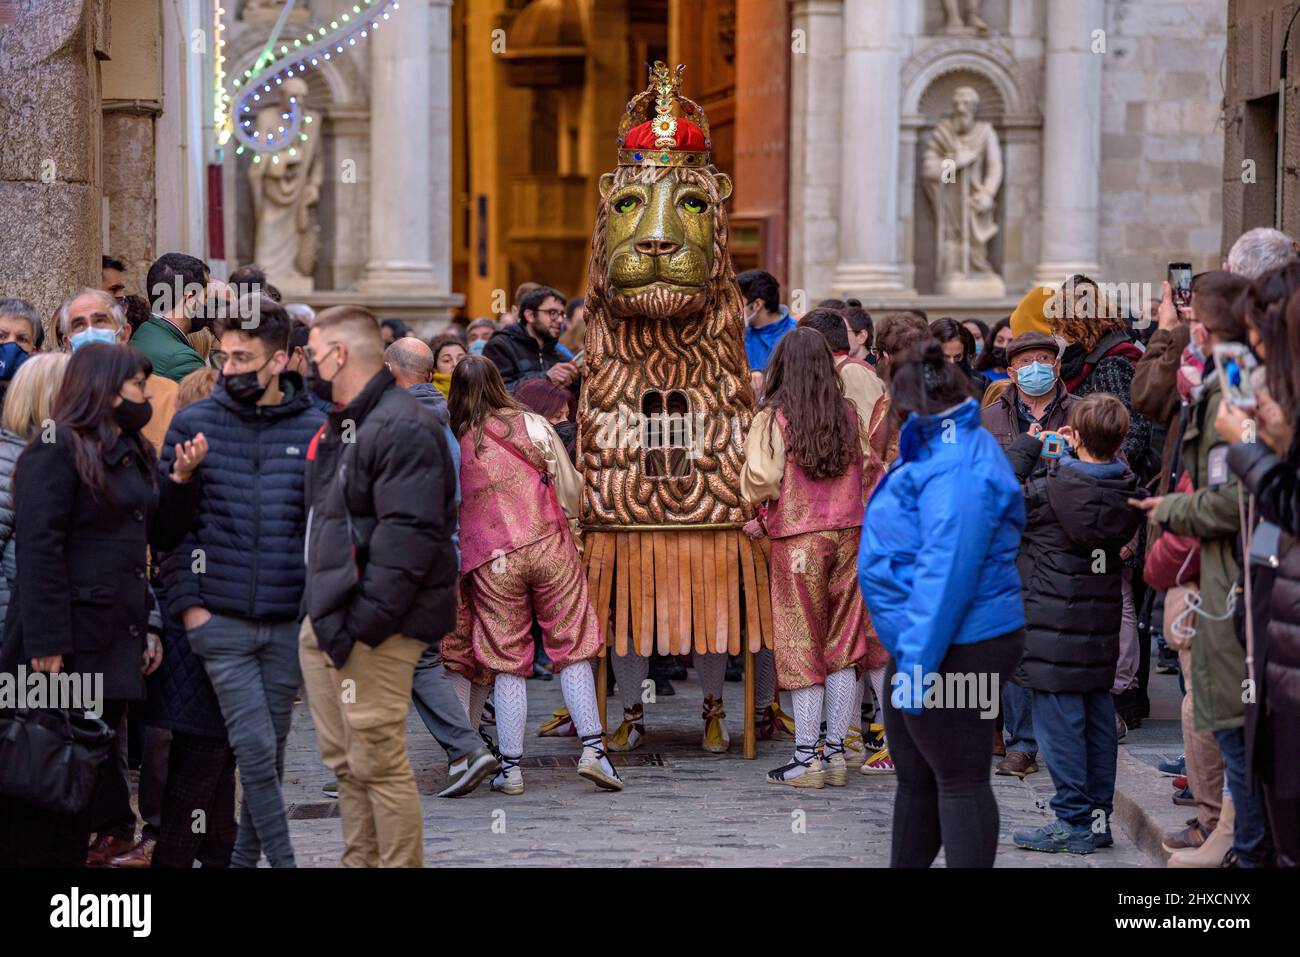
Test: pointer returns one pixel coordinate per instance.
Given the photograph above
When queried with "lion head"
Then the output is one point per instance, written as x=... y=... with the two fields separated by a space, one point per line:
x=666 y=397
x=660 y=232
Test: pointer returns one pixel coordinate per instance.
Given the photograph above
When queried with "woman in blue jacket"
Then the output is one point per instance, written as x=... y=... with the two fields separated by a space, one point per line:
x=937 y=568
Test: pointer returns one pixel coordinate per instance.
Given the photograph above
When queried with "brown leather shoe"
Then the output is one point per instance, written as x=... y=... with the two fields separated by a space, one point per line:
x=1017 y=763
x=106 y=847
x=1191 y=836
x=999 y=746
x=139 y=856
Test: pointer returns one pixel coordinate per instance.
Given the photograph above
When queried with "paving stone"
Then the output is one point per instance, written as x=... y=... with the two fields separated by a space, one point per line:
x=697 y=810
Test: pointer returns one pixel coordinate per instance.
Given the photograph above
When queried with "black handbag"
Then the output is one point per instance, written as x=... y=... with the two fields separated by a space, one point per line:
x=50 y=757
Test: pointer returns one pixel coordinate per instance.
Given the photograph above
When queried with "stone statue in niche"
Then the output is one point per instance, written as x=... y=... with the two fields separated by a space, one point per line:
x=963 y=18
x=285 y=188
x=962 y=169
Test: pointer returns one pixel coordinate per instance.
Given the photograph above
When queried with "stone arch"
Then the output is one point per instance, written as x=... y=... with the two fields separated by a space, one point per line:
x=1007 y=100
x=946 y=64
x=337 y=90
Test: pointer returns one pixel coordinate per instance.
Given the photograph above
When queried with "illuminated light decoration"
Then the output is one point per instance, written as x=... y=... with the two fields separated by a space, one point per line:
x=272 y=69
x=221 y=122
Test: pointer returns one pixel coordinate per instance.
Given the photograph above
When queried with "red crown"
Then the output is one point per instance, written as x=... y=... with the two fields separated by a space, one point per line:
x=664 y=136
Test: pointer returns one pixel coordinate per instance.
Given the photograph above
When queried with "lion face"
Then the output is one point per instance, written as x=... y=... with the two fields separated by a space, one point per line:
x=659 y=243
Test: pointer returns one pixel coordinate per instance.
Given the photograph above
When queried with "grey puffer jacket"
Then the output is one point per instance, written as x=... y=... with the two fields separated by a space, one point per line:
x=11 y=446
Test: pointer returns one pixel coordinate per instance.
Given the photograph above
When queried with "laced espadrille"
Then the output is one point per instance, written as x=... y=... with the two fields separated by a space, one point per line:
x=805 y=771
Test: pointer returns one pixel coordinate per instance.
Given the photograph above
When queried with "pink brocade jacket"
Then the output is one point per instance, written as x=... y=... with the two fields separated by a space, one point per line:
x=808 y=505
x=505 y=504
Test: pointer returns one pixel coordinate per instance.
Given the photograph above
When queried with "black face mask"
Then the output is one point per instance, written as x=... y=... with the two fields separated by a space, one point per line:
x=1072 y=361
x=999 y=358
x=131 y=417
x=244 y=387
x=321 y=388
x=202 y=315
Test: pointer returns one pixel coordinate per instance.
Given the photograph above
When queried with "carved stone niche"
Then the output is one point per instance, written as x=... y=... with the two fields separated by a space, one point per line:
x=1007 y=100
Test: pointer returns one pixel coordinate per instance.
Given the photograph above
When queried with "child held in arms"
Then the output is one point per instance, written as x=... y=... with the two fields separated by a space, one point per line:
x=1078 y=518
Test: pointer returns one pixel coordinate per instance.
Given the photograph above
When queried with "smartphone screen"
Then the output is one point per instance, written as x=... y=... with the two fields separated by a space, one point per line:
x=1180 y=282
x=1234 y=364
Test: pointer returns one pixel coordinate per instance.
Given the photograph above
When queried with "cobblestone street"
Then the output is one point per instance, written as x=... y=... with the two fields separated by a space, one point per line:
x=682 y=806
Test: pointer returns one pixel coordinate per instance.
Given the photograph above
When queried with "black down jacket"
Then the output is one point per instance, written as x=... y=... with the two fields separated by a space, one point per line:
x=1076 y=522
x=1275 y=482
x=253 y=512
x=519 y=357
x=181 y=697
x=382 y=497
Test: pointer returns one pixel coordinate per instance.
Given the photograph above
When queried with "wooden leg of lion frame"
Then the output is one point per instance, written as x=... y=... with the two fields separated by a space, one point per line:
x=602 y=690
x=751 y=732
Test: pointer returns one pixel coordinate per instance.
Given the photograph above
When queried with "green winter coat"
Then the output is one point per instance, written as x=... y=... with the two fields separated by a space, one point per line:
x=167 y=348
x=1210 y=514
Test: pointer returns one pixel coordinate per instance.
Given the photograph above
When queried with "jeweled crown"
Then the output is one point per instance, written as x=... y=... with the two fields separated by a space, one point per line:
x=663 y=128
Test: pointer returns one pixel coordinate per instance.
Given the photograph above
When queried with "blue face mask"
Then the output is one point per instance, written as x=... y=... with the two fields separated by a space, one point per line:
x=107 y=336
x=979 y=346
x=11 y=357
x=1035 y=379
x=476 y=347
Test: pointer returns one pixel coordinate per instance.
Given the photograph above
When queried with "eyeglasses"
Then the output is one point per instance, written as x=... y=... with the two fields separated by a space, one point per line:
x=553 y=313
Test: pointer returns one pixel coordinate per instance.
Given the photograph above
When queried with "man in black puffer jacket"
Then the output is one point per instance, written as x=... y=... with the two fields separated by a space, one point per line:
x=529 y=348
x=1077 y=520
x=381 y=581
x=236 y=582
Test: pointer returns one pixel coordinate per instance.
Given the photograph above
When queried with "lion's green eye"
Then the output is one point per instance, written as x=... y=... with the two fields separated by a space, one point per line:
x=693 y=204
x=626 y=204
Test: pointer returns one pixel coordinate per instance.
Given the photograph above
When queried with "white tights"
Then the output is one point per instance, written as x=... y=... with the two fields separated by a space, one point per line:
x=578 y=688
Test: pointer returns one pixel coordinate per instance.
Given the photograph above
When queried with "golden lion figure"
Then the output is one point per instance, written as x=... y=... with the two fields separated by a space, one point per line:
x=666 y=400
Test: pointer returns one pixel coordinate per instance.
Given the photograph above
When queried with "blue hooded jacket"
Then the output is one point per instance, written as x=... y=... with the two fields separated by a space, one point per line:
x=761 y=342
x=937 y=564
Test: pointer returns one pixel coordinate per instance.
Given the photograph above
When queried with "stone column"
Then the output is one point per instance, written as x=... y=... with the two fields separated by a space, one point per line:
x=49 y=149
x=401 y=164
x=1071 y=142
x=815 y=88
x=869 y=260
x=438 y=170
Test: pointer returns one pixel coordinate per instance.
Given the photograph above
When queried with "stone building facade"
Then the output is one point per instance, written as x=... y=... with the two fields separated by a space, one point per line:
x=108 y=144
x=1108 y=112
x=1254 y=104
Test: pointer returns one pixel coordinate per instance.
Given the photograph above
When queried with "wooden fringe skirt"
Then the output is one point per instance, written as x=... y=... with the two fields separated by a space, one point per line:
x=677 y=592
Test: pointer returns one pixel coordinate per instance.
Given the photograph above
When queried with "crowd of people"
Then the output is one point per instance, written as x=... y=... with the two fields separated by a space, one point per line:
x=219 y=503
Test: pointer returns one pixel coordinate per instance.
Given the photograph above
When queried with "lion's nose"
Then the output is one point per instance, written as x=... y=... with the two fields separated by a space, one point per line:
x=657 y=247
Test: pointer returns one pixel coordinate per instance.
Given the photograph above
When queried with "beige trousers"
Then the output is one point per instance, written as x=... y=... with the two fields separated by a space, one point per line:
x=360 y=715
x=1204 y=760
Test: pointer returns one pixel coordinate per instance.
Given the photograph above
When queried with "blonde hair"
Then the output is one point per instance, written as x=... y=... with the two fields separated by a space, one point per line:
x=29 y=402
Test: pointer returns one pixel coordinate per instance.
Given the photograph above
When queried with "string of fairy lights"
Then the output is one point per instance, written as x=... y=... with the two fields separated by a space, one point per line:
x=236 y=109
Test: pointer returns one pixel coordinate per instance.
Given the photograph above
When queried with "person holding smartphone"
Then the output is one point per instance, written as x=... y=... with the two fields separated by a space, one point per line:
x=1210 y=513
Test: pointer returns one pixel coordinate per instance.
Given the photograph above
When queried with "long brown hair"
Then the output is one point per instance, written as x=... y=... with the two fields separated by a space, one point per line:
x=478 y=394
x=802 y=383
